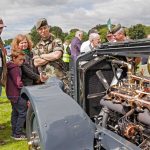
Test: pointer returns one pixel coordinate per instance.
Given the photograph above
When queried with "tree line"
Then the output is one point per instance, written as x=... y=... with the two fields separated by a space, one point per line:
x=138 y=31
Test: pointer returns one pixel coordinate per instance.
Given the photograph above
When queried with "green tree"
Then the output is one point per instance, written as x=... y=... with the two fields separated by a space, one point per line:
x=103 y=33
x=35 y=37
x=85 y=36
x=71 y=34
x=98 y=27
x=8 y=42
x=73 y=30
x=57 y=31
x=137 y=31
x=147 y=30
x=63 y=36
x=102 y=29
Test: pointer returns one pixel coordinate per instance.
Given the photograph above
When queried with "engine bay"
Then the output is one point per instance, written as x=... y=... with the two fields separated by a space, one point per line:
x=115 y=93
x=126 y=106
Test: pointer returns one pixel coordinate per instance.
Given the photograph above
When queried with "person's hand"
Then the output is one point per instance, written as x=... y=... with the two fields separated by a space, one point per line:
x=43 y=76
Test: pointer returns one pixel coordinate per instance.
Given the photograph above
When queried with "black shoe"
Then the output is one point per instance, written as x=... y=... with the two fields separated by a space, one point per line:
x=19 y=137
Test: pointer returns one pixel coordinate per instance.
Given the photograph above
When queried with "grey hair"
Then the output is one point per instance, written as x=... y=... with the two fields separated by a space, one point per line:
x=92 y=36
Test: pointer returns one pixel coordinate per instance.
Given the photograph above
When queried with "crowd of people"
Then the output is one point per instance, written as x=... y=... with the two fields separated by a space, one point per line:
x=49 y=58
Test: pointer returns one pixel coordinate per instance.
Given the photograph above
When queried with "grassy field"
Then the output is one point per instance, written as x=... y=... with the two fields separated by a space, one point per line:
x=6 y=143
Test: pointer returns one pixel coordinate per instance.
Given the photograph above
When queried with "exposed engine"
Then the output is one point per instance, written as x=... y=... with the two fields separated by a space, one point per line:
x=126 y=106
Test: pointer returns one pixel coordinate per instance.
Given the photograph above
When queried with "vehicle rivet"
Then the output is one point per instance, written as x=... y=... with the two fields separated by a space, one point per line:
x=66 y=121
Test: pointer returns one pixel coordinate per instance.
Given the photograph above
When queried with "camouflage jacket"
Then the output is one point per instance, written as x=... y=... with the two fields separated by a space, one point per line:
x=53 y=68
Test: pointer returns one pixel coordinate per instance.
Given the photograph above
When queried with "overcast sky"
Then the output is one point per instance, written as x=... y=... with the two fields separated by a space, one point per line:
x=21 y=15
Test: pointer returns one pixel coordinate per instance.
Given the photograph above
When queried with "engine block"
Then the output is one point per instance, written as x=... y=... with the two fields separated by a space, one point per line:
x=127 y=104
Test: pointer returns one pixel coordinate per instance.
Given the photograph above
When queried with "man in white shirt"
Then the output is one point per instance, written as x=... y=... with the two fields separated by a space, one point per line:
x=86 y=43
x=93 y=42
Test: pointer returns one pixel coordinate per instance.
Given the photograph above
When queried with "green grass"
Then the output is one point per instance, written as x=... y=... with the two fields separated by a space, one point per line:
x=6 y=143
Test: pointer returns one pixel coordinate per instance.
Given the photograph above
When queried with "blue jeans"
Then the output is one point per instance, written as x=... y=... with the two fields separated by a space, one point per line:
x=18 y=116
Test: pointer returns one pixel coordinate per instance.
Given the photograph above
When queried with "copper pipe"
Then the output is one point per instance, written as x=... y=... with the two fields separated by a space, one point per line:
x=140 y=78
x=142 y=92
x=132 y=99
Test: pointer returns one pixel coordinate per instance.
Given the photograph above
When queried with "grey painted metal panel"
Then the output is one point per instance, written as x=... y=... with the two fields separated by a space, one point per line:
x=111 y=141
x=62 y=123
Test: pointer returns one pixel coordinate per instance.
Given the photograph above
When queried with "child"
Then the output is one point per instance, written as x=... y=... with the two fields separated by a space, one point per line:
x=13 y=88
x=30 y=75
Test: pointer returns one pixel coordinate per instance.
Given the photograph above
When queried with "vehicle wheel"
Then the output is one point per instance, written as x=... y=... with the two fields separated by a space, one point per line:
x=32 y=130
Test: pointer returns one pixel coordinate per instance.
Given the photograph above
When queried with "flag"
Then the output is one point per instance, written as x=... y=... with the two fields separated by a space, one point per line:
x=109 y=25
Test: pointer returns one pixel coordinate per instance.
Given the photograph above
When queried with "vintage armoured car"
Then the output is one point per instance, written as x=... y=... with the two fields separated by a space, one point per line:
x=110 y=108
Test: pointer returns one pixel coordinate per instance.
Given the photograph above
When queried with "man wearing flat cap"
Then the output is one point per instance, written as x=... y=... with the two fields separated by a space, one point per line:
x=48 y=53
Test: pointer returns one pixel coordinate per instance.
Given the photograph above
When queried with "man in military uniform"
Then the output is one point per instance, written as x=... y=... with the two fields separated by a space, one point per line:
x=119 y=33
x=48 y=53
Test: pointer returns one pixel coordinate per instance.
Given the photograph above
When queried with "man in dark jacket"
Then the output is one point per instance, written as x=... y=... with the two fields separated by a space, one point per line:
x=76 y=44
x=2 y=59
x=3 y=68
